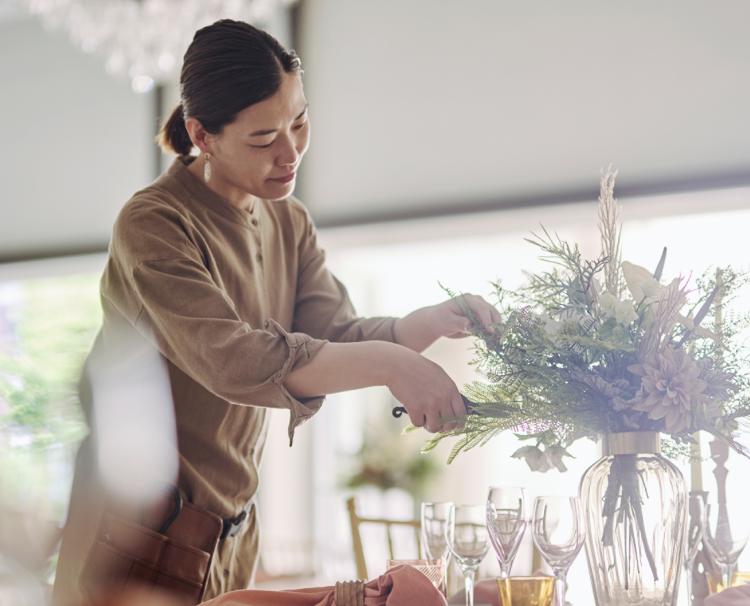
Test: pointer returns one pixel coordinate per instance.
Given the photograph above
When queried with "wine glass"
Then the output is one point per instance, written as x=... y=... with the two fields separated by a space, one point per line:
x=726 y=536
x=558 y=531
x=506 y=522
x=434 y=523
x=468 y=542
x=695 y=534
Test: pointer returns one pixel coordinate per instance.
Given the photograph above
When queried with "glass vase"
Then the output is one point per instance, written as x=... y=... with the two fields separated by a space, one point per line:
x=635 y=506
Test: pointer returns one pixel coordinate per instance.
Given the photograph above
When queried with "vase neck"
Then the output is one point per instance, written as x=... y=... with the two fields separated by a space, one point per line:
x=631 y=442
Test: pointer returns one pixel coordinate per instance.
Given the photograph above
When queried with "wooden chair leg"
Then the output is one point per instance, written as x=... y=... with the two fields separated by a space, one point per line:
x=359 y=551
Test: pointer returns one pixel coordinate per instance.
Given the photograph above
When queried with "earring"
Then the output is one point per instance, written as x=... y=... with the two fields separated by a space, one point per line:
x=207 y=167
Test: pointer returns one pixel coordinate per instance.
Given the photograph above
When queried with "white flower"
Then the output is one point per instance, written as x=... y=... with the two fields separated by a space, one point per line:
x=534 y=457
x=543 y=460
x=622 y=311
x=555 y=456
x=642 y=284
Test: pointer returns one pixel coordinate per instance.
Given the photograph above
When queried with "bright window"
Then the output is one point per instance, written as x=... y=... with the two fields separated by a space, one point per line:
x=393 y=269
x=49 y=314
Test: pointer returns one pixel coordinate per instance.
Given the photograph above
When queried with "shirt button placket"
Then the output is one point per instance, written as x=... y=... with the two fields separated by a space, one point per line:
x=256 y=232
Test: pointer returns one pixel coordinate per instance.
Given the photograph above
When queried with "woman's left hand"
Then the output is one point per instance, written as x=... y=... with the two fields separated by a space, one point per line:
x=453 y=321
x=450 y=318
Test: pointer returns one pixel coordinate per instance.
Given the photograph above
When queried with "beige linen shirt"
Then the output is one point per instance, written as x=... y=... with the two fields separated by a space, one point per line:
x=234 y=300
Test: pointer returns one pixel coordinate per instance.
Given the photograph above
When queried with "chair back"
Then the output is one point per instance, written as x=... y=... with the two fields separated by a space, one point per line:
x=388 y=525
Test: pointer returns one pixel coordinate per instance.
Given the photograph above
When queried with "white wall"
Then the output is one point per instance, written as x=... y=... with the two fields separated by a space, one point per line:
x=427 y=103
x=76 y=143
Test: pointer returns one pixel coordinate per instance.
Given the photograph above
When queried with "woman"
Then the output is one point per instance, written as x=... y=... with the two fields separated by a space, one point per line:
x=220 y=264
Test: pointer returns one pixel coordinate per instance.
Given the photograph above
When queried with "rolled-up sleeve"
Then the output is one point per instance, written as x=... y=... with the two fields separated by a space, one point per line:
x=323 y=308
x=302 y=348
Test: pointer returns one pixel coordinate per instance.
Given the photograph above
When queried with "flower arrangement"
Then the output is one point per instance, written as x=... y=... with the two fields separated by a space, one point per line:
x=590 y=347
x=598 y=346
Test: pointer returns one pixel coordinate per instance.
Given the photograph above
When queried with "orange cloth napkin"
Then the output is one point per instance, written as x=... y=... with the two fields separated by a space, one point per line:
x=400 y=586
x=734 y=596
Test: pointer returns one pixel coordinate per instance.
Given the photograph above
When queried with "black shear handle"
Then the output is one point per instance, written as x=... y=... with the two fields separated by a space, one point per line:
x=398 y=411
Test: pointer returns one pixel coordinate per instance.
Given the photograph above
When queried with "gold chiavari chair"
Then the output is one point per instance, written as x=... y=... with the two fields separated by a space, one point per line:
x=388 y=525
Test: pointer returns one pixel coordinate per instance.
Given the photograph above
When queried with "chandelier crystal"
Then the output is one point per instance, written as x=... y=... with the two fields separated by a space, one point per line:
x=144 y=40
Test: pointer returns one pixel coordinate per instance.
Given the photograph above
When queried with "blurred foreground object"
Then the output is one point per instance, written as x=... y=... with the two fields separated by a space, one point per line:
x=29 y=538
x=134 y=597
x=124 y=467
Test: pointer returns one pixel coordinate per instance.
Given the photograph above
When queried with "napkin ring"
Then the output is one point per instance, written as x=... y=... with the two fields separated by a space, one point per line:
x=350 y=593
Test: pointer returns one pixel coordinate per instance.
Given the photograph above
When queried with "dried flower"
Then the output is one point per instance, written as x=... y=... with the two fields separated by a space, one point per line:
x=661 y=318
x=670 y=387
x=610 y=230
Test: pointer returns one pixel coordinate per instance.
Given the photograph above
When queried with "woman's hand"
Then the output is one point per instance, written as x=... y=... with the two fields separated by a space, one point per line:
x=422 y=387
x=421 y=328
x=453 y=321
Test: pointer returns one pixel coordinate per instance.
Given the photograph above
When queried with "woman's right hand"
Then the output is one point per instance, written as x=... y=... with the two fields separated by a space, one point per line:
x=422 y=387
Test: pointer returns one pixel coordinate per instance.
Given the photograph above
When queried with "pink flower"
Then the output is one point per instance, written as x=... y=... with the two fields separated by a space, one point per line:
x=670 y=388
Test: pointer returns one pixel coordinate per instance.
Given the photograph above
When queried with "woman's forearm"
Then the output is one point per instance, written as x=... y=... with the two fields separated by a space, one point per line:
x=344 y=366
x=418 y=330
x=429 y=395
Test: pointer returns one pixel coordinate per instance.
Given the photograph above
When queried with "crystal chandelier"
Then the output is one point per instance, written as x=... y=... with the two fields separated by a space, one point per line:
x=144 y=40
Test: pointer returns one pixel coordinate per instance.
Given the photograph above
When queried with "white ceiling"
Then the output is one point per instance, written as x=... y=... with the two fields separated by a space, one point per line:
x=11 y=10
x=426 y=105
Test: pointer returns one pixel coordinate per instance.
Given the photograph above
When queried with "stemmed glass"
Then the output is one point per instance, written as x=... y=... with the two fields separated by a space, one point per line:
x=434 y=523
x=434 y=526
x=467 y=541
x=558 y=531
x=726 y=540
x=506 y=522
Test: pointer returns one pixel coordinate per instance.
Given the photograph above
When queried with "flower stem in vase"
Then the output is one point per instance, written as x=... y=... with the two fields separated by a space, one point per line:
x=623 y=486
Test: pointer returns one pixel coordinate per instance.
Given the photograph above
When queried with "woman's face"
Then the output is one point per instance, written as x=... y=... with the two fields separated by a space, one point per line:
x=260 y=151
